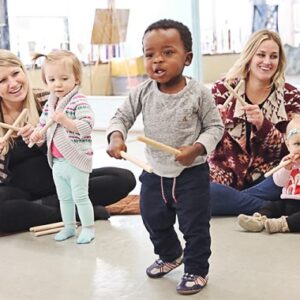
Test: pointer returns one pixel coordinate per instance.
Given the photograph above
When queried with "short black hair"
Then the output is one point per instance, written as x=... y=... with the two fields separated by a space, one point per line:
x=183 y=30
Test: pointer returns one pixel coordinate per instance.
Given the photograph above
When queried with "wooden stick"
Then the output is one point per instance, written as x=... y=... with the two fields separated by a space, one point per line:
x=43 y=131
x=48 y=231
x=137 y=162
x=8 y=126
x=46 y=227
x=20 y=117
x=158 y=145
x=231 y=95
x=283 y=164
x=235 y=94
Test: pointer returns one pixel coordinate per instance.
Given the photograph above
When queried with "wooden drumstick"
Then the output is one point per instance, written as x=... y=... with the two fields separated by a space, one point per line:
x=235 y=94
x=46 y=227
x=8 y=126
x=43 y=130
x=231 y=95
x=283 y=164
x=21 y=116
x=158 y=145
x=48 y=231
x=137 y=162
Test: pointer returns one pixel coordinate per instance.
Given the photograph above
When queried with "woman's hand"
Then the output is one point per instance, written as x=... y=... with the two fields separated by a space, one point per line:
x=223 y=112
x=254 y=115
x=25 y=132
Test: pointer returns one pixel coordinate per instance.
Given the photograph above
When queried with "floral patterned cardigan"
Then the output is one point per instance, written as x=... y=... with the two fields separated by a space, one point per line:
x=230 y=163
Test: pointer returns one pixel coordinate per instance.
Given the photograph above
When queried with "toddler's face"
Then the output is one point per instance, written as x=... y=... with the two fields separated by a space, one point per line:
x=293 y=143
x=60 y=78
x=165 y=58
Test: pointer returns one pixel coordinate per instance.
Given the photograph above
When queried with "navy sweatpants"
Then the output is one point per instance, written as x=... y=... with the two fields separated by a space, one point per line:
x=186 y=196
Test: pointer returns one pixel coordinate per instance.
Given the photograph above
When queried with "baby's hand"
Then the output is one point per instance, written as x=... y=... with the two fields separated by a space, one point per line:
x=36 y=137
x=293 y=158
x=59 y=117
x=116 y=145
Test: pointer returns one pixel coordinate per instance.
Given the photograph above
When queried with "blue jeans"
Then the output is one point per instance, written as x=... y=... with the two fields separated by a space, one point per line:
x=226 y=200
x=187 y=198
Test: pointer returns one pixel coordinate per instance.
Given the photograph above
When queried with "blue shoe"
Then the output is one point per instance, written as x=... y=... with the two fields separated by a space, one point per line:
x=191 y=284
x=160 y=268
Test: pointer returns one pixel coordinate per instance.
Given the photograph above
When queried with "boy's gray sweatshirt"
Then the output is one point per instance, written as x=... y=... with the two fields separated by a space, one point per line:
x=181 y=119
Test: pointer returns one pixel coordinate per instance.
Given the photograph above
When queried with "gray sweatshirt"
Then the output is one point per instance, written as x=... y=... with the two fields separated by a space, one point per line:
x=181 y=119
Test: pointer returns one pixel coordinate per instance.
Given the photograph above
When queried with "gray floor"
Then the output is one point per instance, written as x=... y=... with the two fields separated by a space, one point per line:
x=243 y=265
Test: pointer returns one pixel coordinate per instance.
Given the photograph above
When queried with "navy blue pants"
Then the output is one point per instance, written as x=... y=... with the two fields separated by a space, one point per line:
x=186 y=196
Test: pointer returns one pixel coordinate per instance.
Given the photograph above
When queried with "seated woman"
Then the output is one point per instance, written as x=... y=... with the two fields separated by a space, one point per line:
x=253 y=141
x=27 y=191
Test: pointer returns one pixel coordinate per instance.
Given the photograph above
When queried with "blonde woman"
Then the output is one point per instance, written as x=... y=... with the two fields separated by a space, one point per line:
x=253 y=142
x=27 y=192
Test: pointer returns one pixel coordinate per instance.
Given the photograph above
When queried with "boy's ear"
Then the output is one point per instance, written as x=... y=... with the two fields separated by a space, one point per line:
x=189 y=58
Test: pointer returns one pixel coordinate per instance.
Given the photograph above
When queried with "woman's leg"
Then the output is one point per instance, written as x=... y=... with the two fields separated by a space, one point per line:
x=109 y=185
x=18 y=212
x=226 y=200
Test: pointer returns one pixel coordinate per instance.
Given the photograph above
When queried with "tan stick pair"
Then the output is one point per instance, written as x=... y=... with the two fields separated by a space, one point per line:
x=231 y=94
x=158 y=145
x=19 y=119
x=47 y=229
x=137 y=162
x=43 y=131
x=235 y=94
x=8 y=126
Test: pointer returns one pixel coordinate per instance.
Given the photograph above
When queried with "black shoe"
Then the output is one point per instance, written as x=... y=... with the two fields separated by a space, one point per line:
x=101 y=213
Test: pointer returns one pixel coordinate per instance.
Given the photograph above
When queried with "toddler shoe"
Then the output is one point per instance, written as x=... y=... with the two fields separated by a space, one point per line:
x=160 y=268
x=253 y=223
x=191 y=284
x=277 y=225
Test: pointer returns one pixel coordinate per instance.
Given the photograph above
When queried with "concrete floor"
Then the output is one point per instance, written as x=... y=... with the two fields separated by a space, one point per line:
x=244 y=266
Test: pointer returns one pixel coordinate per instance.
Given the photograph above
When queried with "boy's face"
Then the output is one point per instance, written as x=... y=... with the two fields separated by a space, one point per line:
x=165 y=58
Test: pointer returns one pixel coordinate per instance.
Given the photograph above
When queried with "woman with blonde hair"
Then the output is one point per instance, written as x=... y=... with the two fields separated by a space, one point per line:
x=27 y=191
x=255 y=121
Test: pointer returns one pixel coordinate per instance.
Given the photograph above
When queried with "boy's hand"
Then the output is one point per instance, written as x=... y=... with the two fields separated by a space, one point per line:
x=189 y=153
x=116 y=145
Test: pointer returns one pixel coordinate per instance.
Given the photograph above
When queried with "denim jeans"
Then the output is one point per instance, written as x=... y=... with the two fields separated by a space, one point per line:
x=226 y=200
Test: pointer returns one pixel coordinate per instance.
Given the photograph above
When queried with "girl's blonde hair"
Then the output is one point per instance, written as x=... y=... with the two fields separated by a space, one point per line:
x=61 y=55
x=8 y=59
x=240 y=68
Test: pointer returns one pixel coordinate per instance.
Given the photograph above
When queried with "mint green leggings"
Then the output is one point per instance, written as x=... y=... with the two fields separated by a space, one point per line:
x=72 y=188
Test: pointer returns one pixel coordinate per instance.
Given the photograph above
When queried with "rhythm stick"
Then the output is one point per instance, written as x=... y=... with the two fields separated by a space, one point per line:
x=21 y=116
x=8 y=126
x=235 y=94
x=137 y=162
x=158 y=145
x=48 y=231
x=46 y=227
x=283 y=164
x=43 y=130
x=231 y=95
